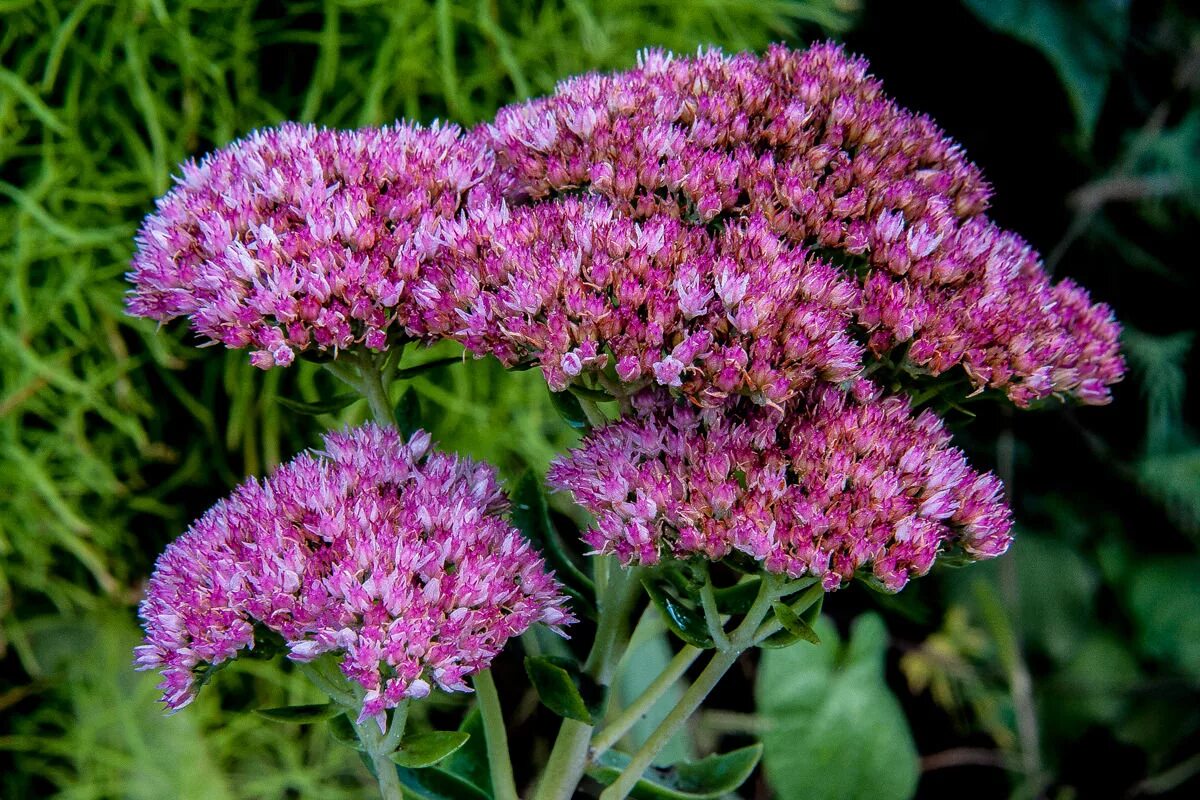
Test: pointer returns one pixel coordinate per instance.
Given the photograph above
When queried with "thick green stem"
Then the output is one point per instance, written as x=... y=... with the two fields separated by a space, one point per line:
x=374 y=742
x=712 y=615
x=368 y=376
x=499 y=761
x=391 y=742
x=741 y=639
x=564 y=770
x=617 y=590
x=371 y=385
x=635 y=711
x=378 y=745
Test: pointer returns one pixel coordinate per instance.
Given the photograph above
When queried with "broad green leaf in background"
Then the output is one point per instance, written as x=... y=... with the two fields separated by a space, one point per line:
x=834 y=731
x=1093 y=688
x=648 y=655
x=1164 y=599
x=704 y=779
x=1054 y=613
x=470 y=762
x=435 y=783
x=302 y=714
x=1082 y=41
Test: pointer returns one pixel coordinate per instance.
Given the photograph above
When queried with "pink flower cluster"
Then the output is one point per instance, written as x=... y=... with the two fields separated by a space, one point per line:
x=575 y=287
x=841 y=483
x=288 y=240
x=808 y=142
x=398 y=560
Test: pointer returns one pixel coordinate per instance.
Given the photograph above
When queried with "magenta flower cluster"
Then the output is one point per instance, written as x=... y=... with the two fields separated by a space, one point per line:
x=845 y=482
x=807 y=142
x=288 y=240
x=730 y=242
x=577 y=288
x=397 y=559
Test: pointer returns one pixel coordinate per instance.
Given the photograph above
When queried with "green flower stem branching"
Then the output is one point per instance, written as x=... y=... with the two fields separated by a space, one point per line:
x=712 y=616
x=742 y=638
x=773 y=625
x=499 y=760
x=636 y=710
x=617 y=591
x=369 y=377
x=378 y=745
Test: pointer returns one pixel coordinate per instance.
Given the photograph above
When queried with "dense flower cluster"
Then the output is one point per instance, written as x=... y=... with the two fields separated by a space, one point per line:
x=851 y=481
x=569 y=283
x=288 y=240
x=808 y=142
x=400 y=561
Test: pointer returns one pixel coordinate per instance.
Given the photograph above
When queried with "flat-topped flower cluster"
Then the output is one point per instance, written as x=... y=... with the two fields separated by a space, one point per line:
x=711 y=181
x=398 y=560
x=730 y=245
x=852 y=481
x=287 y=241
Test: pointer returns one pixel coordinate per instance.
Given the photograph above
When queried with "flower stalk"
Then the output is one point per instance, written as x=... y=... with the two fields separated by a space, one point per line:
x=617 y=592
x=621 y=724
x=740 y=640
x=499 y=760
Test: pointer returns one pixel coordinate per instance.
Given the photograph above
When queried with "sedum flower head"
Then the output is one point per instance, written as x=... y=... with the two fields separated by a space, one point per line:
x=577 y=288
x=398 y=560
x=853 y=481
x=288 y=240
x=808 y=142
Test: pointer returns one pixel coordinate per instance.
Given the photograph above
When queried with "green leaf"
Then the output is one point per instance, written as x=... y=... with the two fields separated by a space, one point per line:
x=408 y=413
x=420 y=369
x=1095 y=688
x=531 y=514
x=565 y=690
x=567 y=406
x=470 y=762
x=797 y=618
x=342 y=730
x=793 y=624
x=434 y=783
x=1164 y=599
x=710 y=777
x=648 y=656
x=684 y=621
x=317 y=407
x=1082 y=41
x=822 y=703
x=595 y=395
x=1055 y=618
x=737 y=599
x=300 y=715
x=427 y=749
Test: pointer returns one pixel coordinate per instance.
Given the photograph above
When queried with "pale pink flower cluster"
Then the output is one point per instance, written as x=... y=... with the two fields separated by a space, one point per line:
x=287 y=241
x=397 y=559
